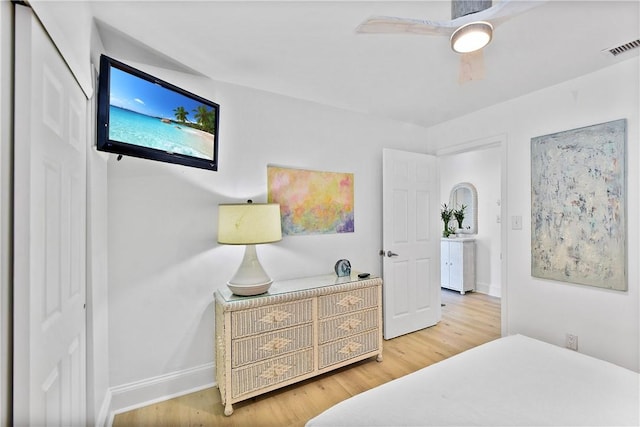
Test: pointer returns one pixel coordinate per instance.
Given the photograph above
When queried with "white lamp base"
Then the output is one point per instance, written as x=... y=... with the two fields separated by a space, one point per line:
x=250 y=278
x=247 y=291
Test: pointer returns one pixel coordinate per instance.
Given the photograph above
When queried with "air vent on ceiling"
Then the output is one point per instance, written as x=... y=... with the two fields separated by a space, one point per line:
x=617 y=50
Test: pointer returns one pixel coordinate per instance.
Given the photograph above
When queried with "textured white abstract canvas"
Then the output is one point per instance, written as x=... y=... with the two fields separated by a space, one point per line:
x=578 y=206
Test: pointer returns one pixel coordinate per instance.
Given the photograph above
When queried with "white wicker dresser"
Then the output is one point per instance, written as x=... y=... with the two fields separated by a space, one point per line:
x=299 y=329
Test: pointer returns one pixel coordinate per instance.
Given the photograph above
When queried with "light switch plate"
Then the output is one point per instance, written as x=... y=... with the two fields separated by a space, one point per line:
x=516 y=222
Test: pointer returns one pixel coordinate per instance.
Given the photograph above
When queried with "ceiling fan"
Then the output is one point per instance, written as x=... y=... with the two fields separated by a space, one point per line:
x=469 y=30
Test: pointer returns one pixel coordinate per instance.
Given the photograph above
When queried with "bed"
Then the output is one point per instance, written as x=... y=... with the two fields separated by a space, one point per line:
x=512 y=381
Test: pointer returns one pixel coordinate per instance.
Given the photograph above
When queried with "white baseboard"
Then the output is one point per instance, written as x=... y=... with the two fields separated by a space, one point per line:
x=486 y=288
x=146 y=392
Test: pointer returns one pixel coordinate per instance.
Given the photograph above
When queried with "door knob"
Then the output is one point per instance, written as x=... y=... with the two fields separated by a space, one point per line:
x=390 y=254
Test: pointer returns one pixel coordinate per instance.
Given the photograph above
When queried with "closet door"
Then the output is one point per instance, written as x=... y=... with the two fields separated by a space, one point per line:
x=49 y=233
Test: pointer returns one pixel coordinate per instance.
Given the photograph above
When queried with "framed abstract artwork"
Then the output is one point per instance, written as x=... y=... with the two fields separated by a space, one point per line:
x=578 y=206
x=312 y=202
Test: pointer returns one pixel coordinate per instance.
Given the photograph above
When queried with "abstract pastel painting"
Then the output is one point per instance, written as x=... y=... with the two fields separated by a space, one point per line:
x=578 y=206
x=312 y=202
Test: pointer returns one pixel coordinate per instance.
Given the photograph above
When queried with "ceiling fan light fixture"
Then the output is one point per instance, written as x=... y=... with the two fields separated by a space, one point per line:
x=471 y=37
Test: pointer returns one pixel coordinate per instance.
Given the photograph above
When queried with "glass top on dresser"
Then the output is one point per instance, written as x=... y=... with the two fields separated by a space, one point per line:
x=280 y=287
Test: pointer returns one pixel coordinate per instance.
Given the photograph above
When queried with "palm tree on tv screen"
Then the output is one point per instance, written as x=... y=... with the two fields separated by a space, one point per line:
x=181 y=114
x=205 y=118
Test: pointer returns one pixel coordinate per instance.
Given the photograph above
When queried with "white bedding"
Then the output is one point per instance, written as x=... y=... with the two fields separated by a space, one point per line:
x=512 y=381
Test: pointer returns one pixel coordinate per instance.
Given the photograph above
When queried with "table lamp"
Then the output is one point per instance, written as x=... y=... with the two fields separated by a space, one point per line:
x=249 y=224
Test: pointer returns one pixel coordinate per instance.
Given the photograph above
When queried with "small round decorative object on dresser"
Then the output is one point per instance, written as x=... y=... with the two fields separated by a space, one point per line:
x=343 y=268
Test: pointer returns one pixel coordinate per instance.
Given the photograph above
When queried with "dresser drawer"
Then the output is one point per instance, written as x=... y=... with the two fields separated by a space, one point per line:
x=274 y=371
x=349 y=324
x=259 y=347
x=348 y=348
x=346 y=302
x=271 y=317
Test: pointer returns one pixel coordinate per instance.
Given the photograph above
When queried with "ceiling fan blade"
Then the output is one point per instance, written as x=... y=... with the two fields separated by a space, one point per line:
x=499 y=12
x=393 y=25
x=471 y=66
x=495 y=14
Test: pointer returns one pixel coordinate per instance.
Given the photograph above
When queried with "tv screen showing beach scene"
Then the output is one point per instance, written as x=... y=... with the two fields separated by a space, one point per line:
x=142 y=116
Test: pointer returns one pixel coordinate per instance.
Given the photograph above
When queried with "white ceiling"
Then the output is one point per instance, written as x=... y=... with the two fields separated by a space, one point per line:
x=310 y=50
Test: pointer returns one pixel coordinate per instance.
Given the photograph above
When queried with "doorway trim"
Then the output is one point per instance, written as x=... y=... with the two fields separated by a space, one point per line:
x=499 y=140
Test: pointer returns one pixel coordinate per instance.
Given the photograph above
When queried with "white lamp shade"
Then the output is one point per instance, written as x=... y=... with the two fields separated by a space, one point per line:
x=471 y=37
x=249 y=223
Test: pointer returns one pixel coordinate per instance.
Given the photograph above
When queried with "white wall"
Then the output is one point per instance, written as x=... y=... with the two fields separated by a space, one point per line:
x=481 y=167
x=164 y=262
x=6 y=119
x=606 y=322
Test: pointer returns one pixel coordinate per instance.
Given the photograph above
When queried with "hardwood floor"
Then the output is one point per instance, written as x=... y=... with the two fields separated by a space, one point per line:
x=467 y=321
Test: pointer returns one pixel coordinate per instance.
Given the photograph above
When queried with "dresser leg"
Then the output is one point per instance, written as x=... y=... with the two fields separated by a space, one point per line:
x=379 y=358
x=228 y=409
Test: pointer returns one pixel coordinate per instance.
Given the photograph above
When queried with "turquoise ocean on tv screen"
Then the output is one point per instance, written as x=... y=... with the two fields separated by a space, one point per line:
x=138 y=129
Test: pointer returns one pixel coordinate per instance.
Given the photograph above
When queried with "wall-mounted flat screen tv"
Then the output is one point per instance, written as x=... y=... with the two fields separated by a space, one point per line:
x=140 y=115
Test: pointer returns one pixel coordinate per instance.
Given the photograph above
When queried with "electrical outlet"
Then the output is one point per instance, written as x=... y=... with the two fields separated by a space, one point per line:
x=571 y=342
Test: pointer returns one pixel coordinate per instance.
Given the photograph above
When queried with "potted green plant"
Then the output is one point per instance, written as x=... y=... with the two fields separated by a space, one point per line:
x=445 y=214
x=458 y=214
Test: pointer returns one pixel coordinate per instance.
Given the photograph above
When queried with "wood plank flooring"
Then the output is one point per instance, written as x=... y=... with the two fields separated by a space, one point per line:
x=467 y=321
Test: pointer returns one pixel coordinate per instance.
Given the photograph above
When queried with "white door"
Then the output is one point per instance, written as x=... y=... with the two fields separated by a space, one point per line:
x=411 y=239
x=49 y=233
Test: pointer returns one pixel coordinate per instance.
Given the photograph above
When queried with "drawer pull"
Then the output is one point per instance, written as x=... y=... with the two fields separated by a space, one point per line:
x=352 y=347
x=275 y=371
x=276 y=344
x=275 y=316
x=350 y=324
x=349 y=301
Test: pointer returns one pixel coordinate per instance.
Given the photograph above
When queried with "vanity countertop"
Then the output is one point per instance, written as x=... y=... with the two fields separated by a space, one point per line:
x=458 y=239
